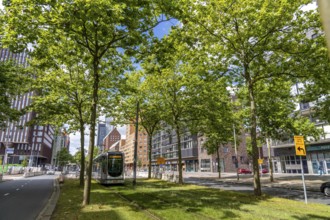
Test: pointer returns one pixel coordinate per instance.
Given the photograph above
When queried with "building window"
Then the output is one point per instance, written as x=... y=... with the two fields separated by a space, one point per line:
x=205 y=163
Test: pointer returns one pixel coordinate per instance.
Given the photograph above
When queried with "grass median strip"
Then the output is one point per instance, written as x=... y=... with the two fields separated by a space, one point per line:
x=156 y=199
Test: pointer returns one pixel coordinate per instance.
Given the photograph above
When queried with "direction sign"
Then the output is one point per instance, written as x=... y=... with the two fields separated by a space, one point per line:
x=300 y=145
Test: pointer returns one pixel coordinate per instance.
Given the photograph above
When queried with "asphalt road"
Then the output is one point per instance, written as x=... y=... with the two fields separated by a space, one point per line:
x=312 y=197
x=25 y=198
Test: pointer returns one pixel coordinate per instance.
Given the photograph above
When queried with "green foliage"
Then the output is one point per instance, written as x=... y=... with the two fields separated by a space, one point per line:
x=13 y=82
x=63 y=157
x=77 y=157
x=25 y=162
x=139 y=163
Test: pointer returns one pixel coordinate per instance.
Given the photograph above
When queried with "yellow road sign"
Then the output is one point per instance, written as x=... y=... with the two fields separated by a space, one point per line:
x=260 y=161
x=300 y=145
x=161 y=160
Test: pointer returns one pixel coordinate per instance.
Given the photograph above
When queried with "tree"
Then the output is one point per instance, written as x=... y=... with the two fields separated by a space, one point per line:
x=251 y=47
x=63 y=157
x=277 y=118
x=63 y=90
x=101 y=31
x=218 y=118
x=25 y=162
x=178 y=85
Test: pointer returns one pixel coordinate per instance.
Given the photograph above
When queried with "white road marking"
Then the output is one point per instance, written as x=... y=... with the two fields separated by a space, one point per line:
x=6 y=194
x=17 y=189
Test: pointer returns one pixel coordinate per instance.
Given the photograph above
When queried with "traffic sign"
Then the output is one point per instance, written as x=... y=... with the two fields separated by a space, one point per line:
x=300 y=145
x=260 y=161
x=160 y=160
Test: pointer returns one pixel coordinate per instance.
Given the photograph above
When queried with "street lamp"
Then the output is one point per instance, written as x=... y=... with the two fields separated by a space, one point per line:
x=30 y=162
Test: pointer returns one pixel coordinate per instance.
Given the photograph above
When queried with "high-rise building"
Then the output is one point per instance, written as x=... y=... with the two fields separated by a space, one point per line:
x=101 y=133
x=21 y=142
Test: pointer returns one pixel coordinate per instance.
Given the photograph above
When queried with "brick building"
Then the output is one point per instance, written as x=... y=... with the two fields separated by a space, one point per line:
x=111 y=138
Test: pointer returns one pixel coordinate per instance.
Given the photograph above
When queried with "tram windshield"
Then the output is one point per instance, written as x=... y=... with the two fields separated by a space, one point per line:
x=115 y=165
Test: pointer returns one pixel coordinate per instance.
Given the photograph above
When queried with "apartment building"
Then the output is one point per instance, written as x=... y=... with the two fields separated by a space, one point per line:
x=195 y=157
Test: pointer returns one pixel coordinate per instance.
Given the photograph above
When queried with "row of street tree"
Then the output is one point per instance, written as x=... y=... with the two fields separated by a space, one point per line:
x=225 y=64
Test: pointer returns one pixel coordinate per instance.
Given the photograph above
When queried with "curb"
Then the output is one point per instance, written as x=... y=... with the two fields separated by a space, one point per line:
x=48 y=210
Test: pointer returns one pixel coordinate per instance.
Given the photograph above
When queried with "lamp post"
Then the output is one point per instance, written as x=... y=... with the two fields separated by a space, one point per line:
x=30 y=162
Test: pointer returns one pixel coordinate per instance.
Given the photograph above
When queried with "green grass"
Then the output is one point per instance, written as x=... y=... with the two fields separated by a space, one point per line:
x=156 y=199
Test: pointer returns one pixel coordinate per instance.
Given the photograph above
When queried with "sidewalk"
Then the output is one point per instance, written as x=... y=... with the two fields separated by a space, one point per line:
x=287 y=180
x=8 y=177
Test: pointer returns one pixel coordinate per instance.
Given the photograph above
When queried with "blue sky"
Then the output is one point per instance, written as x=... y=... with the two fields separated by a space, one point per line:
x=164 y=28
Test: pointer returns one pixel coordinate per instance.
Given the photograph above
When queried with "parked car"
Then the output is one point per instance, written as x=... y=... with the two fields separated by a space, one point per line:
x=325 y=188
x=244 y=171
x=50 y=172
x=264 y=170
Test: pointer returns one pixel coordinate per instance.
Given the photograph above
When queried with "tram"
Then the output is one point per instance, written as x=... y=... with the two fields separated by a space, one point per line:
x=108 y=168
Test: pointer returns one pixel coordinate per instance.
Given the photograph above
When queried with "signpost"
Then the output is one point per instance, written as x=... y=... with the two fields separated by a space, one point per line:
x=301 y=151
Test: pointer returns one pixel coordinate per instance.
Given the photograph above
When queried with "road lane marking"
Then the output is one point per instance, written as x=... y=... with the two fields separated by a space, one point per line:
x=6 y=194
x=17 y=189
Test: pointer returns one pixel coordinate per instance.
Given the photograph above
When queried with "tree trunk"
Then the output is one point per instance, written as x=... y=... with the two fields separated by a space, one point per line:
x=87 y=187
x=178 y=136
x=219 y=167
x=149 y=154
x=255 y=152
x=82 y=155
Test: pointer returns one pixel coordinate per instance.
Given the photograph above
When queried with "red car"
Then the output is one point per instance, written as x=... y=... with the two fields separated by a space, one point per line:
x=244 y=171
x=264 y=170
